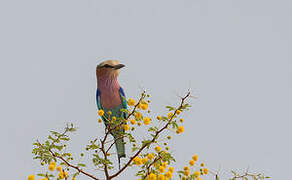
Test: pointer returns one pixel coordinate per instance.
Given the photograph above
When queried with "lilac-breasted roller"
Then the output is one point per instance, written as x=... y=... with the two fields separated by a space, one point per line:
x=111 y=97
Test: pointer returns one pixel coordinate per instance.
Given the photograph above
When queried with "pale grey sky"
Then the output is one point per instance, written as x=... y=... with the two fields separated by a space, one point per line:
x=235 y=55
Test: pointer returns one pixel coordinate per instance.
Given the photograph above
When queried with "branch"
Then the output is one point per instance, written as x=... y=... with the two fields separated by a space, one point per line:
x=104 y=151
x=135 y=107
x=153 y=139
x=70 y=165
x=151 y=164
x=115 y=140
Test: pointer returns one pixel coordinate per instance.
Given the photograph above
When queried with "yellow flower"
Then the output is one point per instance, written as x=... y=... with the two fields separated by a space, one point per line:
x=59 y=168
x=192 y=162
x=158 y=117
x=101 y=112
x=181 y=120
x=168 y=174
x=144 y=160
x=138 y=115
x=133 y=121
x=165 y=164
x=139 y=106
x=195 y=157
x=126 y=127
x=131 y=102
x=61 y=175
x=114 y=118
x=186 y=168
x=51 y=167
x=137 y=161
x=66 y=174
x=171 y=169
x=197 y=173
x=202 y=164
x=180 y=129
x=178 y=112
x=161 y=177
x=152 y=176
x=187 y=172
x=150 y=156
x=74 y=178
x=157 y=148
x=31 y=177
x=147 y=120
x=161 y=169
x=168 y=137
x=139 y=123
x=99 y=120
x=169 y=115
x=198 y=178
x=205 y=170
x=184 y=178
x=144 y=106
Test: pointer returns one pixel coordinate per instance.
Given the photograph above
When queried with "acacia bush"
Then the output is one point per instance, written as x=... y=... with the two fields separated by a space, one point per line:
x=151 y=155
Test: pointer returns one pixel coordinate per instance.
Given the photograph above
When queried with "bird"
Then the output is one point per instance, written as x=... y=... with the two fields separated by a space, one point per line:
x=110 y=97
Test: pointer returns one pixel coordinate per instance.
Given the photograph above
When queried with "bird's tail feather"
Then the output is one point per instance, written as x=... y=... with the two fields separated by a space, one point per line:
x=120 y=147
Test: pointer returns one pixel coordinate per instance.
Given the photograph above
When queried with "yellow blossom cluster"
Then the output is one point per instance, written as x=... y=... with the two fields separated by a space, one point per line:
x=196 y=174
x=63 y=174
x=131 y=102
x=143 y=105
x=126 y=127
x=138 y=115
x=138 y=161
x=100 y=112
x=31 y=177
x=157 y=148
x=169 y=115
x=161 y=176
x=150 y=156
x=52 y=166
x=180 y=129
x=133 y=121
x=147 y=120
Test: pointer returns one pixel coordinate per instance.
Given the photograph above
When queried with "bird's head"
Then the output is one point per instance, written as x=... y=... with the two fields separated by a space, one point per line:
x=109 y=68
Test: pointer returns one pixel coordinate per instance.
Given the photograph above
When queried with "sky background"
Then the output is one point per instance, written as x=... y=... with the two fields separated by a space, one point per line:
x=234 y=55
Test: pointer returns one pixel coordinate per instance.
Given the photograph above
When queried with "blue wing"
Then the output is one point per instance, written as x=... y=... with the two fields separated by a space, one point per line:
x=98 y=103
x=124 y=101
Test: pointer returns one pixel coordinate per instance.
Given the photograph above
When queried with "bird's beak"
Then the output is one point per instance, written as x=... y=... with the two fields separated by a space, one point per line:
x=119 y=66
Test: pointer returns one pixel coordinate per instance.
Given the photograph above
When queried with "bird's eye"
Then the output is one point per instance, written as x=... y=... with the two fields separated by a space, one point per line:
x=108 y=66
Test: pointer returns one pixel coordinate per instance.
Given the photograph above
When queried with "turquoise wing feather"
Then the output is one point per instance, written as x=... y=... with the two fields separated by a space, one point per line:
x=124 y=101
x=120 y=145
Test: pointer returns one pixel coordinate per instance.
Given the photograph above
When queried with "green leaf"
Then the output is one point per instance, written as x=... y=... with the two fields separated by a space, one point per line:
x=170 y=108
x=81 y=165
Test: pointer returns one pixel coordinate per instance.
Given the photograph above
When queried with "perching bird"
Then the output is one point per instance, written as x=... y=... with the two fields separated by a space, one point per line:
x=111 y=97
